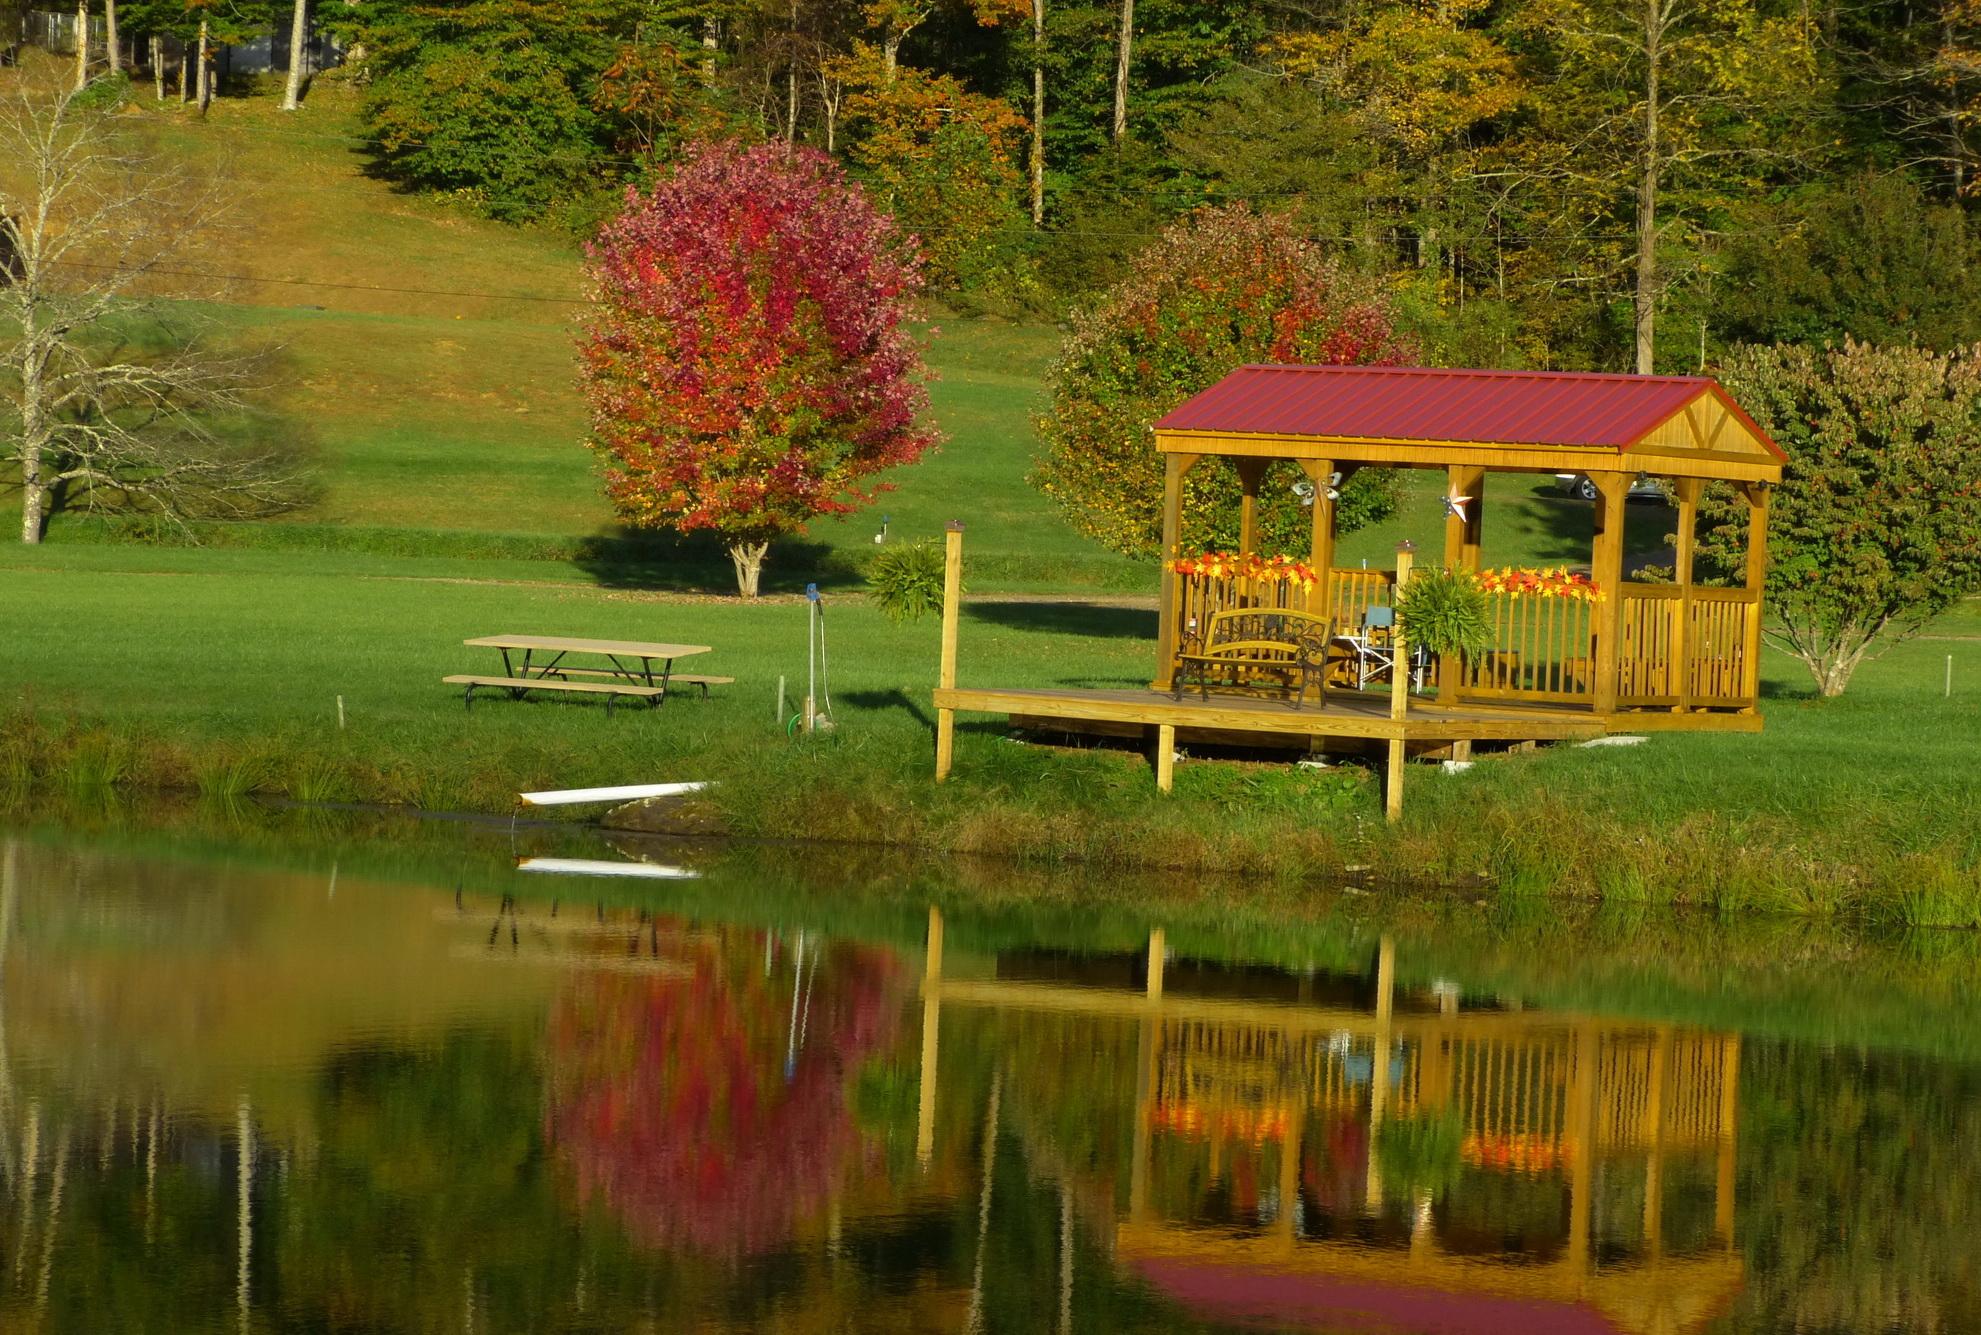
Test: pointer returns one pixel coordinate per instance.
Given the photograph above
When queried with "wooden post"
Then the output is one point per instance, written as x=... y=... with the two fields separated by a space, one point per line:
x=1582 y=1126
x=1399 y=675
x=1687 y=489
x=1174 y=466
x=1461 y=552
x=952 y=609
x=1606 y=568
x=1165 y=756
x=1399 y=693
x=1461 y=536
x=1757 y=572
x=1250 y=473
x=1654 y=1159
x=1379 y=1067
x=1320 y=552
x=1158 y=958
x=931 y=1026
x=1729 y=1126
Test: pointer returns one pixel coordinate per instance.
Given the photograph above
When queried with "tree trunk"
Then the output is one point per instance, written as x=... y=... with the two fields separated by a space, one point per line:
x=791 y=82
x=110 y=36
x=185 y=72
x=1647 y=197
x=890 y=55
x=82 y=43
x=205 y=70
x=157 y=68
x=1124 y=48
x=299 y=22
x=1038 y=112
x=708 y=51
x=34 y=491
x=748 y=558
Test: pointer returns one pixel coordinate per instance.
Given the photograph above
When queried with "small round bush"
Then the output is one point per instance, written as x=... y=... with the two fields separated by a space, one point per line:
x=906 y=580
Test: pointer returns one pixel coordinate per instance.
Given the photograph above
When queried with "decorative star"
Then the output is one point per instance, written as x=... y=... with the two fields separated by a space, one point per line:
x=1455 y=506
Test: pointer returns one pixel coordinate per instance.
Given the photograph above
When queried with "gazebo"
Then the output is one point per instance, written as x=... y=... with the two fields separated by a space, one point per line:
x=1672 y=654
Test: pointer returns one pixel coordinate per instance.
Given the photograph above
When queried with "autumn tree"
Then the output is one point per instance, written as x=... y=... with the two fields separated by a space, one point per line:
x=1220 y=289
x=107 y=398
x=1876 y=527
x=745 y=358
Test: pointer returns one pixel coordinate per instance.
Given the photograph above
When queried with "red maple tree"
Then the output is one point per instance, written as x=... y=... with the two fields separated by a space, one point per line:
x=745 y=360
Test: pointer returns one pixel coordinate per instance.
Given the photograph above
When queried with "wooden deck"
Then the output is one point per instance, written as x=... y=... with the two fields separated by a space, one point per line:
x=1347 y=714
x=1351 y=717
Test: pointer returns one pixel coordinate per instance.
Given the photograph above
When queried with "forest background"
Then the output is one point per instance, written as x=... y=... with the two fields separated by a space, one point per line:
x=1574 y=184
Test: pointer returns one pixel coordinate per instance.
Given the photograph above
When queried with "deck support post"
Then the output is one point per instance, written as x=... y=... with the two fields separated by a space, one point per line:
x=1687 y=491
x=1461 y=549
x=1399 y=673
x=1606 y=568
x=1393 y=782
x=1165 y=756
x=1757 y=571
x=1174 y=466
x=952 y=610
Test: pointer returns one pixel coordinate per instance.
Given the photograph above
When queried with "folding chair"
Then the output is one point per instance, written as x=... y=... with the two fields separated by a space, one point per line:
x=1375 y=646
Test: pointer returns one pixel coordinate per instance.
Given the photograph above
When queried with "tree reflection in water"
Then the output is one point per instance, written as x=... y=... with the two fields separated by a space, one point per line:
x=710 y=1108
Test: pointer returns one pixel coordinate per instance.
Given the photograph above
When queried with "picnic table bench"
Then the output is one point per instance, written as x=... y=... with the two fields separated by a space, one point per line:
x=629 y=670
x=1249 y=648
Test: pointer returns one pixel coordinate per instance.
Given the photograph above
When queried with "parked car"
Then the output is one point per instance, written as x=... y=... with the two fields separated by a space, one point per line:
x=1642 y=488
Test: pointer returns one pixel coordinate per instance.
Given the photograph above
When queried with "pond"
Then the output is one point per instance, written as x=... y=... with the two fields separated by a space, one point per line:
x=326 y=1086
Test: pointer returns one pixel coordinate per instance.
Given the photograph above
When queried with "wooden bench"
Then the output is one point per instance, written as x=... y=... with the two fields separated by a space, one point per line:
x=673 y=678
x=520 y=686
x=1245 y=648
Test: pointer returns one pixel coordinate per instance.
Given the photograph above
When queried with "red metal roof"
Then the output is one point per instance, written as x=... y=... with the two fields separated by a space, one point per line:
x=1562 y=408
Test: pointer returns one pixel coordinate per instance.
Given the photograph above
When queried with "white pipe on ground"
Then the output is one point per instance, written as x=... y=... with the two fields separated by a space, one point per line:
x=631 y=792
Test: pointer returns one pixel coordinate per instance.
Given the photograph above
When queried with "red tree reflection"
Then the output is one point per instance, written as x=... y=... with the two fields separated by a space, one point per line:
x=704 y=1108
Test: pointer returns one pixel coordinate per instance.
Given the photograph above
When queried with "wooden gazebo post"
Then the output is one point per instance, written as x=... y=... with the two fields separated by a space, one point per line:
x=1174 y=466
x=1461 y=551
x=1757 y=572
x=1687 y=491
x=1320 y=552
x=1606 y=568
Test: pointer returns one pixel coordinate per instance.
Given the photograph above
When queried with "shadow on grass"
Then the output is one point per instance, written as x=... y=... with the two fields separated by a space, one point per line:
x=1568 y=532
x=874 y=701
x=1098 y=620
x=629 y=559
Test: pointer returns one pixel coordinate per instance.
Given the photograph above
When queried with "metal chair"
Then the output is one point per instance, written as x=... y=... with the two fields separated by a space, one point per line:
x=1375 y=646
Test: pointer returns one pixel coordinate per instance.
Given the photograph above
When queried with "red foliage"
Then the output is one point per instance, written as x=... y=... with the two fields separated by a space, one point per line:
x=686 y=1105
x=745 y=360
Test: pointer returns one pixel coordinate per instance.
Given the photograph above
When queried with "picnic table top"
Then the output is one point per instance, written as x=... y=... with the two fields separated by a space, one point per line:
x=562 y=644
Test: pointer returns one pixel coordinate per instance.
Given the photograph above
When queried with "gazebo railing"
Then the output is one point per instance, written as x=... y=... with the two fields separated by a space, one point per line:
x=1540 y=652
x=1686 y=651
x=1351 y=593
x=1675 y=651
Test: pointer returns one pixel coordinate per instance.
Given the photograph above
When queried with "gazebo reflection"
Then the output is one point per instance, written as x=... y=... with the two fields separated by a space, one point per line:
x=1326 y=1148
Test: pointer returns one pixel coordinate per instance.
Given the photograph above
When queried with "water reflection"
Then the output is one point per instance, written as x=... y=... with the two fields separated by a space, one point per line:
x=1317 y=1148
x=259 y=1101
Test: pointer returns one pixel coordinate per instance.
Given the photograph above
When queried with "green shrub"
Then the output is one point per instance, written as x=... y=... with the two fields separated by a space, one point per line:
x=906 y=580
x=1445 y=612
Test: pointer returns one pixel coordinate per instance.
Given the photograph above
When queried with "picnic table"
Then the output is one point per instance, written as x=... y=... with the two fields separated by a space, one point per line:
x=616 y=669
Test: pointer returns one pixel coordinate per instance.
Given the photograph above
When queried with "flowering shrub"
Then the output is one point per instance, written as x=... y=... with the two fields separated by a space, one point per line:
x=1529 y=582
x=1246 y=565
